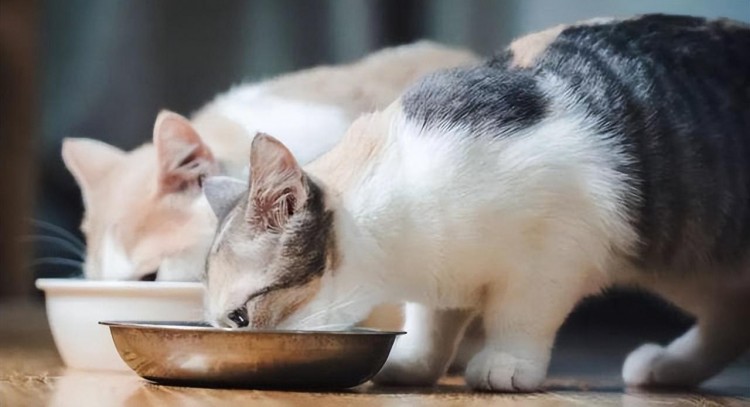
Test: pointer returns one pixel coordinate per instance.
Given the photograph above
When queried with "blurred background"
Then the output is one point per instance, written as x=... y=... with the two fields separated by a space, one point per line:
x=104 y=68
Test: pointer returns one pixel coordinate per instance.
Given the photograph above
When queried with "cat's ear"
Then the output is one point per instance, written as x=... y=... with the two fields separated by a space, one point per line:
x=223 y=193
x=183 y=159
x=89 y=160
x=277 y=184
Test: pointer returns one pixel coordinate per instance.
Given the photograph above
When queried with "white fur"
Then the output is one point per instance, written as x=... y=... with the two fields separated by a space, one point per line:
x=115 y=264
x=492 y=225
x=189 y=264
x=307 y=129
x=452 y=212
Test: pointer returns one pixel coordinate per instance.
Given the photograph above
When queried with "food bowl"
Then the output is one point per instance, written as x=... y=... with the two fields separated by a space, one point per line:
x=74 y=308
x=196 y=354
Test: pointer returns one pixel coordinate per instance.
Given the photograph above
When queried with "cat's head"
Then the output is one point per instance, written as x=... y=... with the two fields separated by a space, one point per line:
x=274 y=246
x=144 y=210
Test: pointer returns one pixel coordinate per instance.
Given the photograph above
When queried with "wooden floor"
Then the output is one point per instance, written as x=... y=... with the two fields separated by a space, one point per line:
x=583 y=372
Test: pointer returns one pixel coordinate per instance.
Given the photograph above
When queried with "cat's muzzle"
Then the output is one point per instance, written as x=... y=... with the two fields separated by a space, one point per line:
x=239 y=317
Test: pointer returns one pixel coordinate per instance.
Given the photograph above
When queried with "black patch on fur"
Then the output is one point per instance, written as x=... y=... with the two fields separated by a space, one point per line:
x=675 y=92
x=482 y=99
x=305 y=241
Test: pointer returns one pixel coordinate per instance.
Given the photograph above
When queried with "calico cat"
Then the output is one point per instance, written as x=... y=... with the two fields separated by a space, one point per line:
x=607 y=152
x=144 y=208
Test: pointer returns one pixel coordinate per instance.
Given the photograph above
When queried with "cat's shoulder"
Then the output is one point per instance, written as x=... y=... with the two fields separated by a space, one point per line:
x=482 y=95
x=505 y=91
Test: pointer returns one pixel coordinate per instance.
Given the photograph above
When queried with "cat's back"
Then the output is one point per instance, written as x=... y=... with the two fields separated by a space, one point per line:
x=695 y=42
x=374 y=81
x=672 y=93
x=675 y=90
x=676 y=63
x=603 y=64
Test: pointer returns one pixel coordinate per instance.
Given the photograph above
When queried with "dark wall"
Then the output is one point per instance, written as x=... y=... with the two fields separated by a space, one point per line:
x=104 y=68
x=18 y=36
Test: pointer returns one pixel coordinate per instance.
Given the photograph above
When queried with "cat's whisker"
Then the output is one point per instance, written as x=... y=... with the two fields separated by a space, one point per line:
x=345 y=301
x=60 y=231
x=59 y=261
x=64 y=243
x=352 y=297
x=310 y=317
x=314 y=315
x=76 y=265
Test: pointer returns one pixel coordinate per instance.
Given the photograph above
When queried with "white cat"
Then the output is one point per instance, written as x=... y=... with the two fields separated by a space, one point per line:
x=512 y=190
x=144 y=208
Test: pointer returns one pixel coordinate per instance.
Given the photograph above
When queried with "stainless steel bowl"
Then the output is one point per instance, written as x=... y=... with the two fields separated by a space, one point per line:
x=196 y=354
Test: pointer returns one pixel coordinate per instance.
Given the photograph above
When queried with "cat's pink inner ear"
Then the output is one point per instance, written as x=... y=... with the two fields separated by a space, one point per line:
x=89 y=160
x=277 y=184
x=183 y=158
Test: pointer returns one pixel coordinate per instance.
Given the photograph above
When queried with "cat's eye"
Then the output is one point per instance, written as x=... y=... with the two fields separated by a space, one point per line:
x=239 y=317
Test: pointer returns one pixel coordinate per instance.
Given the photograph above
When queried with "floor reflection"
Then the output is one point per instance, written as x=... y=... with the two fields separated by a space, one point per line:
x=83 y=388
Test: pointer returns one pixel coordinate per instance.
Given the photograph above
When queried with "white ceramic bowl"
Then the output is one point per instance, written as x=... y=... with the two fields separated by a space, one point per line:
x=75 y=307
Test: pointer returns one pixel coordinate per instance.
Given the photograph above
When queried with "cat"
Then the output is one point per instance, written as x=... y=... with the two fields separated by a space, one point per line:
x=609 y=152
x=144 y=210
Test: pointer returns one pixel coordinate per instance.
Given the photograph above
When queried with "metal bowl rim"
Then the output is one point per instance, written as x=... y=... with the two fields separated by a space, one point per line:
x=169 y=326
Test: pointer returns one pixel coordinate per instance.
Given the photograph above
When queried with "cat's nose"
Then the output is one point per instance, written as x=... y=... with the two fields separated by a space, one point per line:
x=149 y=276
x=239 y=317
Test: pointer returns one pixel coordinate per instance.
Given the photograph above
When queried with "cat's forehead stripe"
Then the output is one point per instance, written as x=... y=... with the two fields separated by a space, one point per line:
x=305 y=246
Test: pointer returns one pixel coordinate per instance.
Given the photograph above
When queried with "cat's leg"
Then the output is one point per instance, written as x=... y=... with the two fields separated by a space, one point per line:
x=721 y=334
x=470 y=345
x=521 y=320
x=421 y=357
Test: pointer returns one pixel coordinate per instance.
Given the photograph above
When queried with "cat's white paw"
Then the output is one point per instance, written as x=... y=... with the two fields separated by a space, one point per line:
x=638 y=367
x=652 y=365
x=499 y=371
x=408 y=372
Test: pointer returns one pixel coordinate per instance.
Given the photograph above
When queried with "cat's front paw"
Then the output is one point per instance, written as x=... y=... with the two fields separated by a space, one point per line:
x=638 y=367
x=652 y=365
x=492 y=370
x=408 y=372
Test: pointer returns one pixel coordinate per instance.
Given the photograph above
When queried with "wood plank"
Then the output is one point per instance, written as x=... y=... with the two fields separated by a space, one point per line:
x=31 y=373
